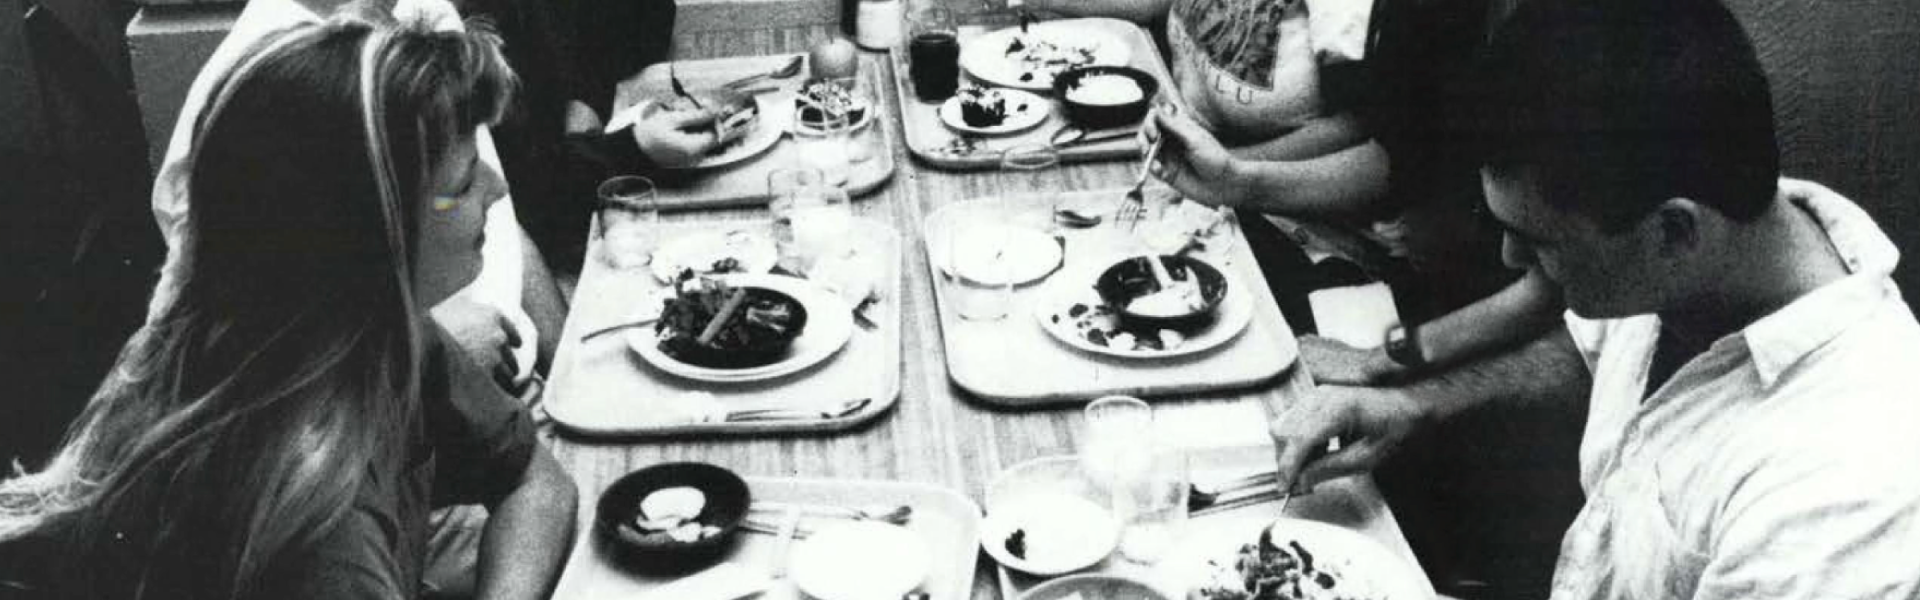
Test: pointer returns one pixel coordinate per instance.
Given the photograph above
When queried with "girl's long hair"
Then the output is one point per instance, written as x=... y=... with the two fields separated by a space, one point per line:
x=236 y=431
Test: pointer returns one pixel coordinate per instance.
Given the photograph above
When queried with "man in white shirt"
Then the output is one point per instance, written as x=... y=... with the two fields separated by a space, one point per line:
x=1753 y=400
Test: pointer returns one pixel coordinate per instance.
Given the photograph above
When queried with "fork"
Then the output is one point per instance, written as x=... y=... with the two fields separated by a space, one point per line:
x=1134 y=206
x=784 y=71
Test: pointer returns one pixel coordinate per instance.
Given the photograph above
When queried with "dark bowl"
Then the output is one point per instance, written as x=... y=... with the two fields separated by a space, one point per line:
x=1133 y=278
x=655 y=552
x=1104 y=116
x=762 y=351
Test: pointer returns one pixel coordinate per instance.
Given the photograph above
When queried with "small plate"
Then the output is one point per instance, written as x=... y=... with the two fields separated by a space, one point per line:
x=1030 y=255
x=829 y=325
x=1056 y=314
x=1094 y=586
x=700 y=250
x=1060 y=532
x=1361 y=566
x=1024 y=111
x=988 y=58
x=768 y=128
x=860 y=560
x=861 y=104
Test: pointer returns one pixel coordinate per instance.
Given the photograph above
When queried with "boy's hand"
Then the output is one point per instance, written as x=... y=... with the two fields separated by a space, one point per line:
x=1371 y=423
x=676 y=139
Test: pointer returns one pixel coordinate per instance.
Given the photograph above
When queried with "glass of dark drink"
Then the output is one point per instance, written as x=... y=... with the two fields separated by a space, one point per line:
x=934 y=55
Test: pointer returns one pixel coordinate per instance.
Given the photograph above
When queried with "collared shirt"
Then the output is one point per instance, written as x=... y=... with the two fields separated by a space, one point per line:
x=499 y=282
x=1779 y=463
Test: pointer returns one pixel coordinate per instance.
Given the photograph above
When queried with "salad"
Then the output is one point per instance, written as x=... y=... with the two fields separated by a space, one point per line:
x=1271 y=570
x=711 y=324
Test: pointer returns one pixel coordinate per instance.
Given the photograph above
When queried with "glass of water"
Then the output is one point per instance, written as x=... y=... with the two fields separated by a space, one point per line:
x=1151 y=504
x=629 y=220
x=979 y=262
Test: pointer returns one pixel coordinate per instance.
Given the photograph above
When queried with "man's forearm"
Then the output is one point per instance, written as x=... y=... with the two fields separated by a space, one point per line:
x=1520 y=312
x=528 y=534
x=1546 y=369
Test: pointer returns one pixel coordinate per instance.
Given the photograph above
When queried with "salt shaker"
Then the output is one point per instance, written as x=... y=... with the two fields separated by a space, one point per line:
x=878 y=26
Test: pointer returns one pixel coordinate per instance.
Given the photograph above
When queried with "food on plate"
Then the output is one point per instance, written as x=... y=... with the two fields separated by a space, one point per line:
x=1099 y=325
x=986 y=108
x=673 y=512
x=1188 y=302
x=1039 y=59
x=711 y=324
x=1271 y=569
x=734 y=113
x=822 y=99
x=1181 y=296
x=1017 y=544
x=1106 y=89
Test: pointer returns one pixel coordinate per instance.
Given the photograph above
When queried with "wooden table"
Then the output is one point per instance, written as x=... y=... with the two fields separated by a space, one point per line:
x=937 y=434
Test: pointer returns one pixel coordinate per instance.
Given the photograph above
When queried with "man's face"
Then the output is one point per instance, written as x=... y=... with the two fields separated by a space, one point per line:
x=1601 y=275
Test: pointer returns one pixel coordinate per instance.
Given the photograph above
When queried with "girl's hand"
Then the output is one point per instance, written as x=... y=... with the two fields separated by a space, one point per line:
x=1194 y=162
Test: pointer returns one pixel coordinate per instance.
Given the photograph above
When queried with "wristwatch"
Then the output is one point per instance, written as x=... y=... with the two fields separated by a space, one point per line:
x=1403 y=346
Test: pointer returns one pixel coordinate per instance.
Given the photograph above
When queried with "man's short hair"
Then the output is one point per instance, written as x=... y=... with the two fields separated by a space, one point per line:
x=1618 y=105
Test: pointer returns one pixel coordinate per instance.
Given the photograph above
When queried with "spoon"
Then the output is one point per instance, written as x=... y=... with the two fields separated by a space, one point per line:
x=787 y=70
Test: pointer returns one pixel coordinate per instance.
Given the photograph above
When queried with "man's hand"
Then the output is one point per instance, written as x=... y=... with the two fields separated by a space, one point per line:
x=1195 y=163
x=485 y=334
x=676 y=139
x=1370 y=422
x=1334 y=362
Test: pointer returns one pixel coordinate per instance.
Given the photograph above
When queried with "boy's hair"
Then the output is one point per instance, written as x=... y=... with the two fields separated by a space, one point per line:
x=1615 y=106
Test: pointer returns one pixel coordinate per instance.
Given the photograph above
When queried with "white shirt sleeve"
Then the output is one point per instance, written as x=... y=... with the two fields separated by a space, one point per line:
x=1818 y=527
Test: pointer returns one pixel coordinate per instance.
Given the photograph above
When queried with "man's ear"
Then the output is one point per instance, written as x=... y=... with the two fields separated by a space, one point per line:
x=1678 y=221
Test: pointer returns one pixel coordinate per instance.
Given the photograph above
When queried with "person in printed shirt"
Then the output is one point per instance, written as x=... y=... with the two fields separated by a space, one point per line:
x=283 y=429
x=1745 y=353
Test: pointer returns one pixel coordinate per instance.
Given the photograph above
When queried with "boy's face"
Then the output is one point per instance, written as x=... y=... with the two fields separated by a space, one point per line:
x=1601 y=275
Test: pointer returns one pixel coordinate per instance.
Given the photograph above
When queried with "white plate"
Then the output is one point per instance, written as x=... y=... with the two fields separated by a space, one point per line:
x=1236 y=312
x=1062 y=532
x=768 y=128
x=699 y=250
x=860 y=560
x=986 y=56
x=1024 y=110
x=1363 y=568
x=829 y=324
x=1029 y=255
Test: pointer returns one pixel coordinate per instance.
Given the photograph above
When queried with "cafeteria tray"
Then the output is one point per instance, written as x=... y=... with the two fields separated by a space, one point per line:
x=1352 y=503
x=1013 y=362
x=599 y=387
x=745 y=183
x=947 y=520
x=931 y=141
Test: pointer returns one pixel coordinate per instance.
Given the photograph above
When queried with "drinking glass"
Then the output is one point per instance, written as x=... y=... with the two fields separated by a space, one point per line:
x=1033 y=168
x=811 y=217
x=1118 y=443
x=629 y=220
x=1151 y=505
x=978 y=269
x=860 y=140
x=824 y=145
x=933 y=54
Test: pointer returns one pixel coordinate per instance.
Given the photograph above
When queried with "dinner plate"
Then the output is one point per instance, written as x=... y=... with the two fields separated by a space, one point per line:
x=699 y=250
x=1056 y=314
x=768 y=128
x=860 y=560
x=1057 y=532
x=988 y=56
x=829 y=325
x=1024 y=111
x=1361 y=567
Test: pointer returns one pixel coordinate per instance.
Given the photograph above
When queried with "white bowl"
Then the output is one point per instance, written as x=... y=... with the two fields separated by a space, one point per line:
x=859 y=560
x=1061 y=532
